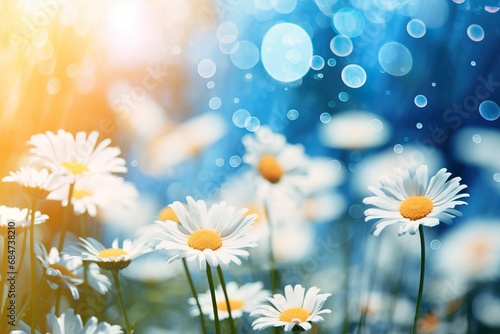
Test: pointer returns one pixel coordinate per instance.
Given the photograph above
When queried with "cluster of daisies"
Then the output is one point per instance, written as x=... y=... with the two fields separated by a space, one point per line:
x=80 y=173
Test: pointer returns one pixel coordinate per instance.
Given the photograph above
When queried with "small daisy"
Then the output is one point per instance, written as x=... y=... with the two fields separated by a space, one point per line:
x=59 y=270
x=97 y=281
x=217 y=236
x=275 y=160
x=114 y=258
x=95 y=191
x=36 y=184
x=19 y=217
x=411 y=199
x=294 y=311
x=76 y=156
x=69 y=323
x=242 y=299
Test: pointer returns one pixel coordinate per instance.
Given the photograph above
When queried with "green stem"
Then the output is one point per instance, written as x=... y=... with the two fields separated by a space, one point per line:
x=23 y=251
x=33 y=267
x=214 y=301
x=66 y=213
x=83 y=225
x=57 y=297
x=228 y=303
x=120 y=299
x=422 y=274
x=272 y=262
x=195 y=296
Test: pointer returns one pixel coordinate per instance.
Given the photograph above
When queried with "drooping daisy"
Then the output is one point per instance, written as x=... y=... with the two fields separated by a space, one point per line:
x=275 y=160
x=37 y=184
x=217 y=236
x=69 y=323
x=19 y=217
x=294 y=311
x=76 y=156
x=242 y=299
x=411 y=199
x=114 y=258
x=93 y=191
x=59 y=270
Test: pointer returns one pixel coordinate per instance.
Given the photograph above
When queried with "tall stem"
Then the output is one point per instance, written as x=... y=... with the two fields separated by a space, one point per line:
x=214 y=301
x=33 y=267
x=228 y=303
x=66 y=213
x=195 y=296
x=422 y=275
x=120 y=299
x=272 y=262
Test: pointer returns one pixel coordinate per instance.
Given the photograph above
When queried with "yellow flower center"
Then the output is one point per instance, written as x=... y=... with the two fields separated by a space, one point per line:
x=294 y=313
x=111 y=252
x=81 y=193
x=74 y=167
x=270 y=168
x=65 y=271
x=205 y=239
x=416 y=207
x=167 y=213
x=234 y=304
x=428 y=323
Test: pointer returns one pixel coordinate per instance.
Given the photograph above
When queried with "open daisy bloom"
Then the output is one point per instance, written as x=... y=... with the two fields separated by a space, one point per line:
x=275 y=160
x=76 y=156
x=411 y=199
x=19 y=217
x=37 y=184
x=294 y=311
x=114 y=258
x=71 y=323
x=59 y=270
x=242 y=299
x=217 y=236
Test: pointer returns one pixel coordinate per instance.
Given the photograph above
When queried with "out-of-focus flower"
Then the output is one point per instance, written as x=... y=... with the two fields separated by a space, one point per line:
x=114 y=258
x=182 y=142
x=217 y=236
x=71 y=323
x=486 y=308
x=95 y=279
x=94 y=191
x=152 y=269
x=241 y=299
x=275 y=161
x=75 y=156
x=355 y=130
x=20 y=217
x=470 y=252
x=59 y=270
x=477 y=146
x=36 y=184
x=293 y=311
x=409 y=198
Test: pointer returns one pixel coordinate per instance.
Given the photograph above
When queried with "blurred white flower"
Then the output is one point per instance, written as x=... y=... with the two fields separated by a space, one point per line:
x=486 y=308
x=355 y=130
x=410 y=199
x=241 y=299
x=477 y=146
x=470 y=252
x=182 y=142
x=93 y=191
x=37 y=184
x=20 y=217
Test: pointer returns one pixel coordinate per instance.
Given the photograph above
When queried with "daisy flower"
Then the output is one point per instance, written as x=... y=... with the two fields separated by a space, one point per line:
x=217 y=236
x=76 y=156
x=275 y=160
x=93 y=191
x=71 y=323
x=114 y=258
x=97 y=281
x=294 y=311
x=411 y=199
x=36 y=184
x=19 y=217
x=59 y=270
x=242 y=299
